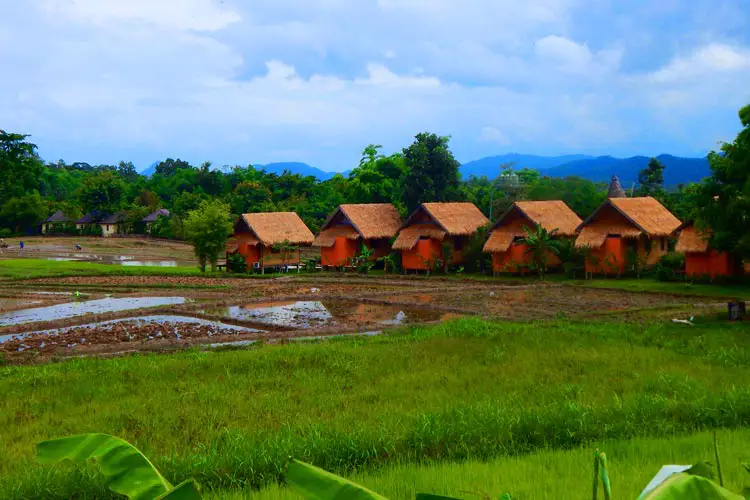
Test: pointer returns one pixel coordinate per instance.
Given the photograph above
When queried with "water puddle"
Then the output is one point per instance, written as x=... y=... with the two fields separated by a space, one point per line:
x=73 y=309
x=317 y=314
x=153 y=326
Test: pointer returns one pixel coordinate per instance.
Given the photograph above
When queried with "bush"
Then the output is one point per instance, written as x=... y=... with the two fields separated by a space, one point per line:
x=5 y=233
x=236 y=263
x=669 y=265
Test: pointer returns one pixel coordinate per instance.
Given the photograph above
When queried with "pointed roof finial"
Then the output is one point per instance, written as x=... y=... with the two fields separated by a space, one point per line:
x=615 y=189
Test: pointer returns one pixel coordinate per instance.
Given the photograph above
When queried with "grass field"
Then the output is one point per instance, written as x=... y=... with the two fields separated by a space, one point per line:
x=547 y=475
x=469 y=389
x=16 y=269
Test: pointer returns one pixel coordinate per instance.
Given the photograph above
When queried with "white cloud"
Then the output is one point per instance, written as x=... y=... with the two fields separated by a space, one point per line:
x=704 y=63
x=494 y=135
x=181 y=14
x=572 y=57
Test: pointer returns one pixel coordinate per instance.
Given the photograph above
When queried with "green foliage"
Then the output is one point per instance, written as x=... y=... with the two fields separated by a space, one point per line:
x=432 y=171
x=208 y=228
x=317 y=484
x=236 y=263
x=127 y=470
x=391 y=262
x=475 y=260
x=104 y=191
x=541 y=243
x=20 y=166
x=723 y=200
x=364 y=261
x=23 y=213
x=669 y=266
x=651 y=179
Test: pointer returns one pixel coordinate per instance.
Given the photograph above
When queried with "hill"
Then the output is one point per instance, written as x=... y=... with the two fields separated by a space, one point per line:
x=490 y=166
x=601 y=169
x=277 y=168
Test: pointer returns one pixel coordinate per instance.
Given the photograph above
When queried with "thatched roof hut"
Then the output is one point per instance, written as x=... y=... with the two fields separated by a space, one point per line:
x=628 y=218
x=92 y=217
x=273 y=228
x=354 y=221
x=438 y=220
x=552 y=215
x=615 y=189
x=154 y=216
x=691 y=239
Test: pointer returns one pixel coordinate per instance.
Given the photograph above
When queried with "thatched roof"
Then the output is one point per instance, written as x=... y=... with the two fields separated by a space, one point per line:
x=456 y=219
x=643 y=215
x=327 y=237
x=153 y=217
x=57 y=217
x=615 y=189
x=368 y=221
x=409 y=236
x=692 y=240
x=551 y=215
x=273 y=228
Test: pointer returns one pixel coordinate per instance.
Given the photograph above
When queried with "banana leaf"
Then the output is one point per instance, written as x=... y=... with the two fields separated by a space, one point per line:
x=127 y=470
x=689 y=487
x=187 y=490
x=317 y=484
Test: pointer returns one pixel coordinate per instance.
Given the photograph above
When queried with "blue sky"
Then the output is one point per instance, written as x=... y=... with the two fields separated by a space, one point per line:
x=256 y=81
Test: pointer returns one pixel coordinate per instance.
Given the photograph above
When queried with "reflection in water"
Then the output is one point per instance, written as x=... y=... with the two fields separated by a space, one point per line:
x=316 y=314
x=72 y=309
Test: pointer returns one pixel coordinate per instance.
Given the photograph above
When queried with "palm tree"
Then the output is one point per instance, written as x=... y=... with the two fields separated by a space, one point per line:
x=541 y=243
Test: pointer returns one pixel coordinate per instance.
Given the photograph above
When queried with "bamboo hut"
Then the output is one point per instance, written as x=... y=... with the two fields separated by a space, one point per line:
x=56 y=221
x=350 y=227
x=90 y=220
x=509 y=252
x=431 y=227
x=700 y=258
x=113 y=224
x=640 y=226
x=261 y=239
x=151 y=218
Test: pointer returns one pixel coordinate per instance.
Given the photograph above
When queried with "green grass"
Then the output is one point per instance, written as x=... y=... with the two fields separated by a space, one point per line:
x=464 y=390
x=741 y=291
x=546 y=474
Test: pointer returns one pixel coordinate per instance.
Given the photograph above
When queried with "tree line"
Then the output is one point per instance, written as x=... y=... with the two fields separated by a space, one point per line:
x=426 y=170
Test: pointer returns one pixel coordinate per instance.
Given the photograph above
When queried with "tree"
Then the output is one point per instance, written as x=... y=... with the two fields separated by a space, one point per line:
x=208 y=228
x=20 y=167
x=169 y=167
x=250 y=196
x=377 y=179
x=581 y=195
x=723 y=200
x=432 y=171
x=127 y=171
x=541 y=244
x=651 y=179
x=103 y=191
x=23 y=213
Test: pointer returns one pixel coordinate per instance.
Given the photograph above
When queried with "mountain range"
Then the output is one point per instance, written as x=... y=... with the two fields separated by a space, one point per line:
x=595 y=168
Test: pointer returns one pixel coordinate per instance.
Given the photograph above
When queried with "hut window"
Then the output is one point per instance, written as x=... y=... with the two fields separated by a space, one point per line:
x=107 y=227
x=663 y=242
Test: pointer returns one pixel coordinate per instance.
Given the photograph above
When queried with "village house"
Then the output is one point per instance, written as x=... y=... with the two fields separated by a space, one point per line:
x=350 y=227
x=260 y=238
x=622 y=228
x=702 y=260
x=55 y=222
x=153 y=217
x=89 y=220
x=506 y=240
x=432 y=226
x=113 y=224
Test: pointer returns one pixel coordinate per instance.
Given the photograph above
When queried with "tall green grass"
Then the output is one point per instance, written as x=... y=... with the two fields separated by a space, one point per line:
x=464 y=390
x=544 y=475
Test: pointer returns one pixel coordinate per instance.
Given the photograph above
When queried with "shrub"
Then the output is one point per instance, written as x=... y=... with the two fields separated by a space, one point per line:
x=669 y=265
x=236 y=263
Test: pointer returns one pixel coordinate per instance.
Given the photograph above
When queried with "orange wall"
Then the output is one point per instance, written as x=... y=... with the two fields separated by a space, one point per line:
x=614 y=248
x=507 y=261
x=339 y=254
x=428 y=250
x=711 y=263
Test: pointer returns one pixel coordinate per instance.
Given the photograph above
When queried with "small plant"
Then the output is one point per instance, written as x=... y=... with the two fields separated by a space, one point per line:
x=541 y=244
x=236 y=263
x=364 y=262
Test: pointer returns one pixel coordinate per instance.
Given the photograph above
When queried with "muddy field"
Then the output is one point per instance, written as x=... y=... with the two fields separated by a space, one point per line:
x=123 y=251
x=44 y=319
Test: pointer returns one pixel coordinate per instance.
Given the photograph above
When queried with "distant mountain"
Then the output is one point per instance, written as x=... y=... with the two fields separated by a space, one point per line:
x=601 y=169
x=490 y=166
x=296 y=168
x=150 y=170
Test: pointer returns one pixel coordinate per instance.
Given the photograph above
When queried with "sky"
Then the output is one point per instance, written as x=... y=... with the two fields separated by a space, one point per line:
x=258 y=81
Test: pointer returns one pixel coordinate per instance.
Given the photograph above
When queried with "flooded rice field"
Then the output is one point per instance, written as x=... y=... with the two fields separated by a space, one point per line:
x=42 y=319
